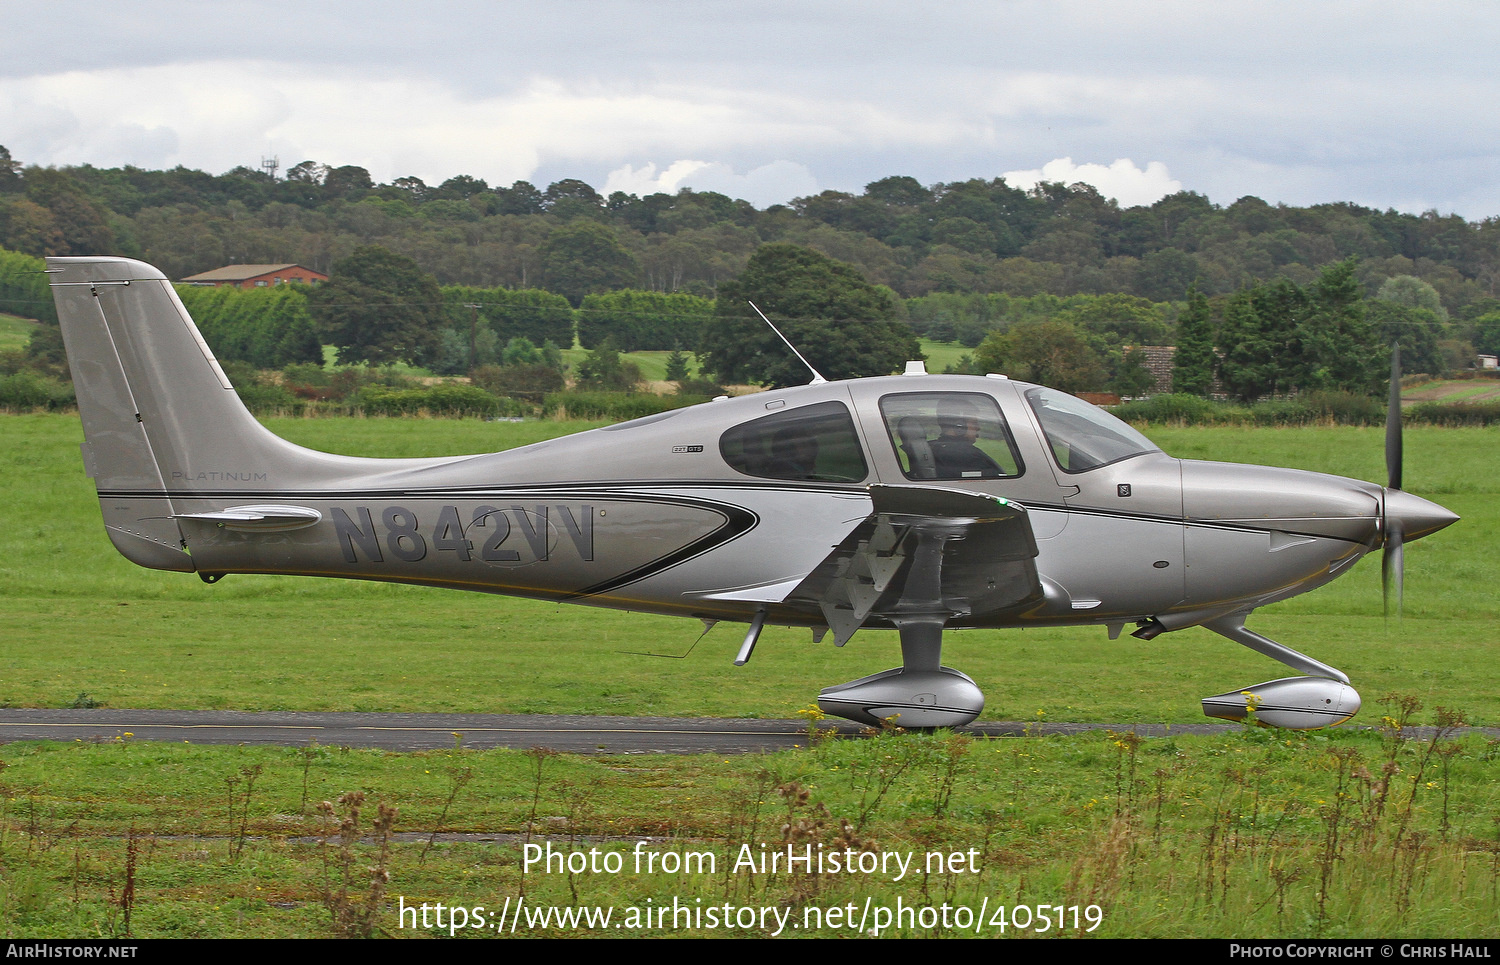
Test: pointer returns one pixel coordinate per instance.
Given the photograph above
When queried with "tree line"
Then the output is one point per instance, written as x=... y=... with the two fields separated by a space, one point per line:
x=1056 y=282
x=1268 y=339
x=968 y=237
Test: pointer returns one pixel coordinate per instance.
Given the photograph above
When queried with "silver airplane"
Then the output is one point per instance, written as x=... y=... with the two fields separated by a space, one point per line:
x=915 y=502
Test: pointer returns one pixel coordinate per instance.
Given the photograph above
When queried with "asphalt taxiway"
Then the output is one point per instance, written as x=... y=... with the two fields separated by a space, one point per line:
x=414 y=732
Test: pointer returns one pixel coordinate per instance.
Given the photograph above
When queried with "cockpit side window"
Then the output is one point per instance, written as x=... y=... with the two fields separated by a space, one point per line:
x=816 y=443
x=1081 y=436
x=950 y=435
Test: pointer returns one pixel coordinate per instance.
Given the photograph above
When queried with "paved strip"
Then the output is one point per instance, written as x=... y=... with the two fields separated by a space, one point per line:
x=411 y=732
x=572 y=734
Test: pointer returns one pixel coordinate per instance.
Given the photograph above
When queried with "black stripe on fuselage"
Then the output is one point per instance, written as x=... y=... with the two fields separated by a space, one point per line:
x=628 y=490
x=737 y=519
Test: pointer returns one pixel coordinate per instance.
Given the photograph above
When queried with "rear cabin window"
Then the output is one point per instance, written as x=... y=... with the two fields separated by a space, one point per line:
x=815 y=443
x=950 y=435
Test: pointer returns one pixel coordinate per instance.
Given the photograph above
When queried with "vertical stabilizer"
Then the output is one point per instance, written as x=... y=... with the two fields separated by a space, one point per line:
x=159 y=416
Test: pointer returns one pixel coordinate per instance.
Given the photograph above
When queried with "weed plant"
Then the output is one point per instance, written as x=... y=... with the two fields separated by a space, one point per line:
x=1253 y=834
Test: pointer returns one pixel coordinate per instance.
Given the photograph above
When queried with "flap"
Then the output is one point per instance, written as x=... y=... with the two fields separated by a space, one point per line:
x=927 y=551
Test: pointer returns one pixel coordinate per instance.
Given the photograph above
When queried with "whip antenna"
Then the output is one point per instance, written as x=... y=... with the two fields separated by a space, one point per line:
x=817 y=376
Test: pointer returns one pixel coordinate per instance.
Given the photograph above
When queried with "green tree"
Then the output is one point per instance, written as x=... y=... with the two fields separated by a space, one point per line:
x=349 y=182
x=677 y=366
x=10 y=172
x=529 y=313
x=266 y=327
x=1166 y=273
x=81 y=220
x=1193 y=363
x=1117 y=318
x=1418 y=330
x=1257 y=340
x=845 y=326
x=1412 y=292
x=1048 y=352
x=1339 y=350
x=1132 y=379
x=521 y=351
x=1487 y=333
x=23 y=287
x=603 y=369
x=585 y=257
x=379 y=307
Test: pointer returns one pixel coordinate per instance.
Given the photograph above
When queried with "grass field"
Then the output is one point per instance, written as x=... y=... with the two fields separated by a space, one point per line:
x=81 y=618
x=940 y=355
x=1184 y=836
x=15 y=333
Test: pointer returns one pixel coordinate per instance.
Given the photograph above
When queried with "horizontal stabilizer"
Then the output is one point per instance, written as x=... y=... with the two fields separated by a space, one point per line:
x=259 y=519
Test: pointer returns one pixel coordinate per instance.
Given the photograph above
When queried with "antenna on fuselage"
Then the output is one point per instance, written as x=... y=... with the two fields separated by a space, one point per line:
x=817 y=376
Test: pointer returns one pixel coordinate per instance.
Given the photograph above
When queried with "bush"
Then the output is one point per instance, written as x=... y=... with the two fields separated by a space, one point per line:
x=1174 y=407
x=25 y=391
x=382 y=400
x=444 y=399
x=268 y=399
x=306 y=373
x=616 y=406
x=1344 y=408
x=700 y=387
x=529 y=382
x=1315 y=408
x=449 y=398
x=1455 y=414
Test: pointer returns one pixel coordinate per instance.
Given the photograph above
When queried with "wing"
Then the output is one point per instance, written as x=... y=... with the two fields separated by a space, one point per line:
x=927 y=551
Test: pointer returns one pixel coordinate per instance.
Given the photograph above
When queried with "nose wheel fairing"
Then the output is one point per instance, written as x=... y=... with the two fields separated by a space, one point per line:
x=1292 y=703
x=1323 y=698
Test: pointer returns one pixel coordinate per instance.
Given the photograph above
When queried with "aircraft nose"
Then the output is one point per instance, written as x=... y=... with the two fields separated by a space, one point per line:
x=1418 y=517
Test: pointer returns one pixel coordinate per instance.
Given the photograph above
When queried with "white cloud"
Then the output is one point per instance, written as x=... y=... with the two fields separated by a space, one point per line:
x=647 y=180
x=774 y=183
x=219 y=115
x=1121 y=180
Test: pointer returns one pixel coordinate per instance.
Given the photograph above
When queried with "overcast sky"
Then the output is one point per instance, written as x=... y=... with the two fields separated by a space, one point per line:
x=1387 y=104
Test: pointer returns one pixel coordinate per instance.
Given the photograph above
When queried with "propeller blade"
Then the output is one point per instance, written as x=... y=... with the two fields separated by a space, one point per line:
x=1392 y=565
x=1393 y=422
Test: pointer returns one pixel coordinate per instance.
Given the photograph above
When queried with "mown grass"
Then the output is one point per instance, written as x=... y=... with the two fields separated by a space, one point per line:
x=15 y=332
x=1184 y=836
x=81 y=618
x=653 y=364
x=940 y=355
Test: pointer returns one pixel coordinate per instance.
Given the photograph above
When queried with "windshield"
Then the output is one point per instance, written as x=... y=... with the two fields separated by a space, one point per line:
x=1082 y=436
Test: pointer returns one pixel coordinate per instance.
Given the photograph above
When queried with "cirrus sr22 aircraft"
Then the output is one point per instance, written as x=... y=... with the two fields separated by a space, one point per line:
x=918 y=502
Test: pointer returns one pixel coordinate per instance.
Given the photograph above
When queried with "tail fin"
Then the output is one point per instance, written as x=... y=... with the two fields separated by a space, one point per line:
x=159 y=416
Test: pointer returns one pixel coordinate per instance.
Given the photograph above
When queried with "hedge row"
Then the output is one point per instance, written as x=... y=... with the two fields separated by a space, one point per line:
x=1315 y=408
x=616 y=406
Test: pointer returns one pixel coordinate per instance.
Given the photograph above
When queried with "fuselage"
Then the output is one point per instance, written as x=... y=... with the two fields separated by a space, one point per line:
x=696 y=512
